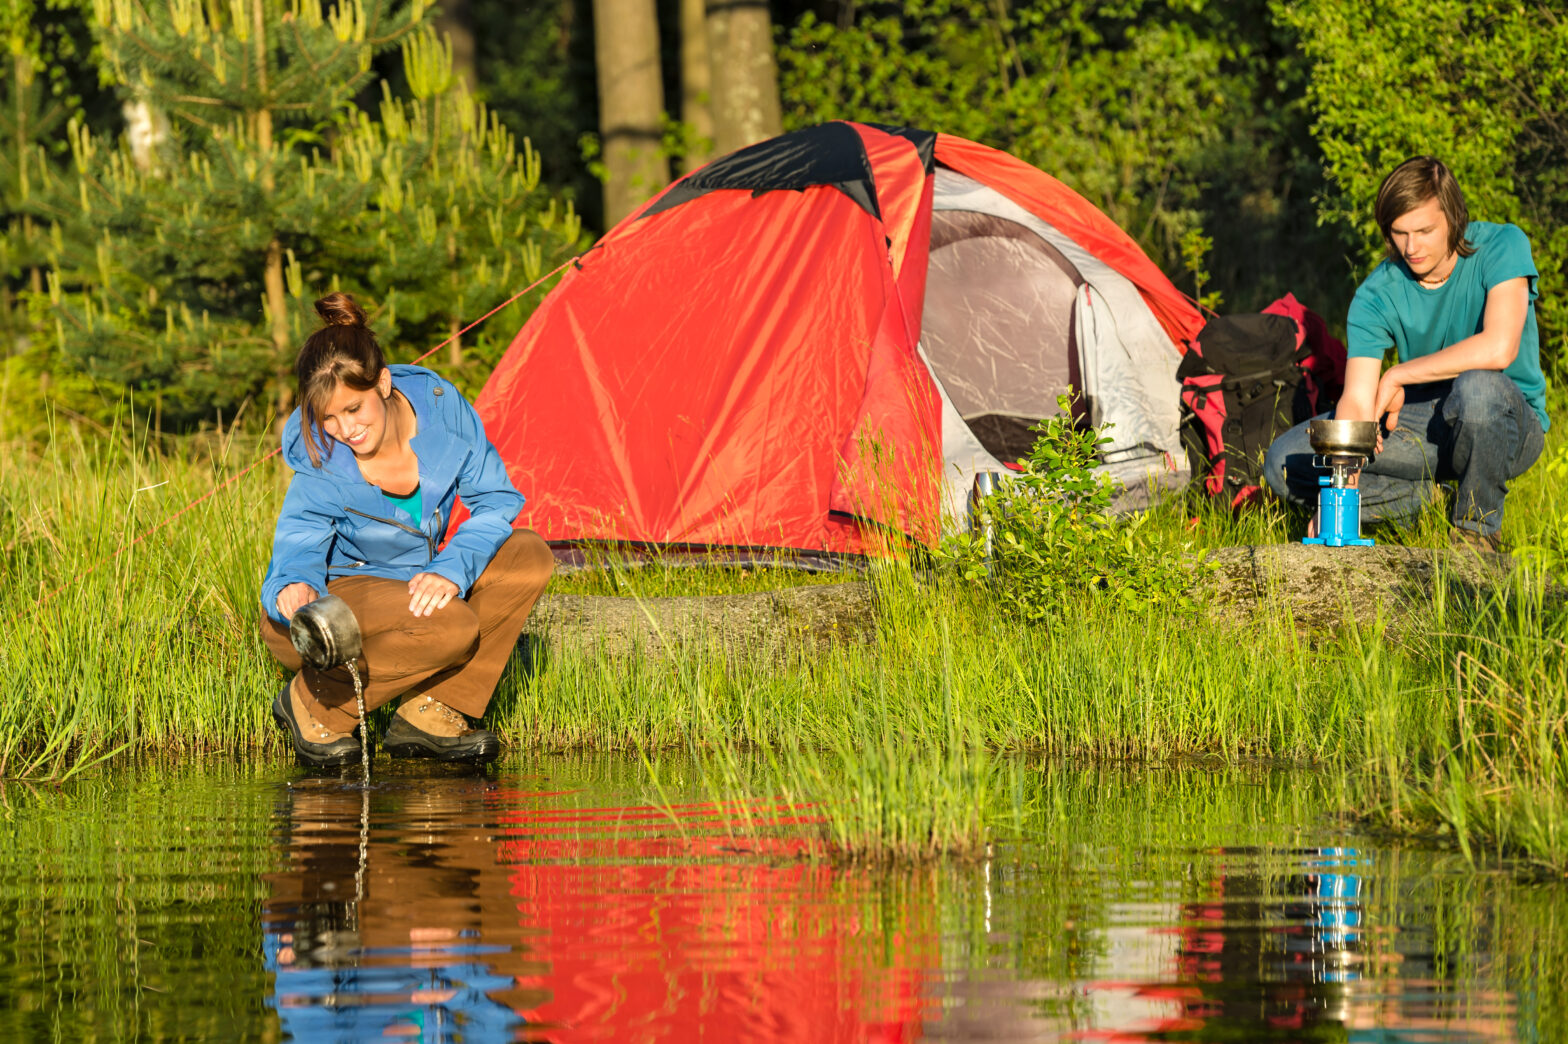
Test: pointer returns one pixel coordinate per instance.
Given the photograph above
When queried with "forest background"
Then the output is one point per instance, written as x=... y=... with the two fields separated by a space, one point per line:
x=180 y=180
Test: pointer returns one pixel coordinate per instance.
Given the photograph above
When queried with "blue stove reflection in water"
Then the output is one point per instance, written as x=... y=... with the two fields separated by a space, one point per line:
x=1334 y=914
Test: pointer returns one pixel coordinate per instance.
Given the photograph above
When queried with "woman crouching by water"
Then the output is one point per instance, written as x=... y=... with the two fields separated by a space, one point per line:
x=379 y=455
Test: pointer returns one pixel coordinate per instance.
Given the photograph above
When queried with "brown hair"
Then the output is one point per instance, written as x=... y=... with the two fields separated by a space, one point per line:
x=344 y=351
x=1413 y=183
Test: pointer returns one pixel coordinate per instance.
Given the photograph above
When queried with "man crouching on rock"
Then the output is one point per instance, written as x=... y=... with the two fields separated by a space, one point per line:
x=1466 y=402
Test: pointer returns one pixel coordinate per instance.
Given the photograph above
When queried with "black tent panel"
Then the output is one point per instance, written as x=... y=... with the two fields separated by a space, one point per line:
x=828 y=154
x=924 y=142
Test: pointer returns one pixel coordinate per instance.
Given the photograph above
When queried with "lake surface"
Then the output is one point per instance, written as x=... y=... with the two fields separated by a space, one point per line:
x=552 y=900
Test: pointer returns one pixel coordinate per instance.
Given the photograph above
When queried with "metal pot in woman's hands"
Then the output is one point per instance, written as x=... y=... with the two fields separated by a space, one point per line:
x=325 y=633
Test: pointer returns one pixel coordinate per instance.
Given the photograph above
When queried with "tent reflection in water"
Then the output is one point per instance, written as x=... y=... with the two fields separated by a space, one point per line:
x=449 y=909
x=828 y=333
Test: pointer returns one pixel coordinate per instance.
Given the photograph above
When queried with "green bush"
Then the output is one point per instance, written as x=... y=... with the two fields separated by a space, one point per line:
x=1490 y=100
x=1048 y=534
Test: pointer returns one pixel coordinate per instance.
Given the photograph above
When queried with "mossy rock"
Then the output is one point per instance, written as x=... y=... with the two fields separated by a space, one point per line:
x=789 y=621
x=1324 y=587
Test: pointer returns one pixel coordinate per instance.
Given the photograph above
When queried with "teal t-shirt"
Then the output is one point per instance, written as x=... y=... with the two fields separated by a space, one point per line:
x=413 y=503
x=1392 y=309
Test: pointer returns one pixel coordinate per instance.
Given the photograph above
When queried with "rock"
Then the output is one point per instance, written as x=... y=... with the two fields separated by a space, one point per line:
x=766 y=623
x=1323 y=586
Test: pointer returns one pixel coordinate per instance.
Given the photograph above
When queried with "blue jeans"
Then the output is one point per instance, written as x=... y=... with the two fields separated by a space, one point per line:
x=1475 y=430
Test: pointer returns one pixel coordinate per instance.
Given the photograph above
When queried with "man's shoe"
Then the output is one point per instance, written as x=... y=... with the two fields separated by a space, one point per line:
x=314 y=743
x=427 y=728
x=1462 y=539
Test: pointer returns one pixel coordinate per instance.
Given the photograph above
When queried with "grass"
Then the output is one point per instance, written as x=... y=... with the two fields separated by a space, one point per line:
x=629 y=572
x=155 y=649
x=899 y=749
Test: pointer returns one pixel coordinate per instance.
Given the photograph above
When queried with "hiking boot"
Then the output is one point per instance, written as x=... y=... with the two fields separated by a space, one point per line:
x=1462 y=539
x=427 y=728
x=314 y=744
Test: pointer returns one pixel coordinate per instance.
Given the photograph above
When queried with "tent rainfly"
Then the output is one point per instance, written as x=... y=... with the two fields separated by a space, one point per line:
x=829 y=333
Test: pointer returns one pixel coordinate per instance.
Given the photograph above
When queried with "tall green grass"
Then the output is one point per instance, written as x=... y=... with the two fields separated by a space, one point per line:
x=155 y=649
x=620 y=572
x=899 y=747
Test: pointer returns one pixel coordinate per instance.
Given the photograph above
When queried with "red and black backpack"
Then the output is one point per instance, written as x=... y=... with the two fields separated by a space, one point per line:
x=1247 y=380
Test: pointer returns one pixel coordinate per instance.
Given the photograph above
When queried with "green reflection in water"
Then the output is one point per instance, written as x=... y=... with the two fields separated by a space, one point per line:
x=1174 y=903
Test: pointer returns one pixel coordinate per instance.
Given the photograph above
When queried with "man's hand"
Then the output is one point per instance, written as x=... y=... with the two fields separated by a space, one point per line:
x=1363 y=391
x=429 y=592
x=293 y=597
x=1390 y=399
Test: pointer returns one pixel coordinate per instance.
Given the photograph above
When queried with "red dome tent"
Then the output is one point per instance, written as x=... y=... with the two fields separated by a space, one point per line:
x=835 y=326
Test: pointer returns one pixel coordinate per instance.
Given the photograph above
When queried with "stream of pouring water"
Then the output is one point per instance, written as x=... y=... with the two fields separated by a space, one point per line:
x=364 y=726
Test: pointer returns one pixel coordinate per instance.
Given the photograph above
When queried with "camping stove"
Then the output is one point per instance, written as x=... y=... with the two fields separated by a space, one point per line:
x=1342 y=448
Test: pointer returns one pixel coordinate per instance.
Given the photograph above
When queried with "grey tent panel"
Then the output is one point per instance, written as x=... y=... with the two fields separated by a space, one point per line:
x=998 y=325
x=1036 y=290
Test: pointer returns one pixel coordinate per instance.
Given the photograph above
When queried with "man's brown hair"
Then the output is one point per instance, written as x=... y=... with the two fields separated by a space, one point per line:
x=1413 y=183
x=343 y=351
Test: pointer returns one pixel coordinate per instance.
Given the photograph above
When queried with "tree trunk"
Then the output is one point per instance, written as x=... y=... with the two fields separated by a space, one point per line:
x=278 y=305
x=277 y=295
x=746 y=106
x=457 y=22
x=696 y=83
x=272 y=273
x=631 y=104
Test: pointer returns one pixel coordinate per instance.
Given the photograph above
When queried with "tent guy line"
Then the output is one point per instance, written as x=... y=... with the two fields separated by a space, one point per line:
x=231 y=480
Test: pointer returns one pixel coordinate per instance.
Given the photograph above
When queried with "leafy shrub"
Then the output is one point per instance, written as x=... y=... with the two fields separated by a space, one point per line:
x=1053 y=537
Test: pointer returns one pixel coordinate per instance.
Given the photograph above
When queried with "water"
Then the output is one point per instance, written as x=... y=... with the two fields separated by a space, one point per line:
x=550 y=901
x=364 y=729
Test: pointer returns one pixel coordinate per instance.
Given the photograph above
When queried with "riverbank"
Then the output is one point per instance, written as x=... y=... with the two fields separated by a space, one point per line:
x=899 y=744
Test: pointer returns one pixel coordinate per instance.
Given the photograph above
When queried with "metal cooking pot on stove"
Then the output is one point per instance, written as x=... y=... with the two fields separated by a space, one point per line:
x=1342 y=438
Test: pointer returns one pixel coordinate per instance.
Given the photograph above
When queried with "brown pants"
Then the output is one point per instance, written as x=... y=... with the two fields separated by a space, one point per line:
x=454 y=655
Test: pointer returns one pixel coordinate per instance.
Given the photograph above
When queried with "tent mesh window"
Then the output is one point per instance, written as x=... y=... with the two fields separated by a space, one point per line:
x=998 y=325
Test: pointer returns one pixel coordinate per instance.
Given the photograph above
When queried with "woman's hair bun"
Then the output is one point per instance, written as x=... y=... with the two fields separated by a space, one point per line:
x=339 y=309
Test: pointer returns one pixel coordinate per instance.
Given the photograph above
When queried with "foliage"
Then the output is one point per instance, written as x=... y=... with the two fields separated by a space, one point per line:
x=46 y=80
x=535 y=69
x=1168 y=116
x=184 y=273
x=1048 y=534
x=1195 y=247
x=1481 y=84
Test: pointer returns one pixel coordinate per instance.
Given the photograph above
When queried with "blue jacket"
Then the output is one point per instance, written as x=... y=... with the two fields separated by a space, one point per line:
x=334 y=523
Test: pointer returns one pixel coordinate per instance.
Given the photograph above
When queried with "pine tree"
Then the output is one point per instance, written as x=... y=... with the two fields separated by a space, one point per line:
x=39 y=93
x=189 y=280
x=459 y=222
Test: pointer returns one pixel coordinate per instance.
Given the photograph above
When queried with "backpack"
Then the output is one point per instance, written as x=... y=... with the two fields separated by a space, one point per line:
x=1247 y=380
